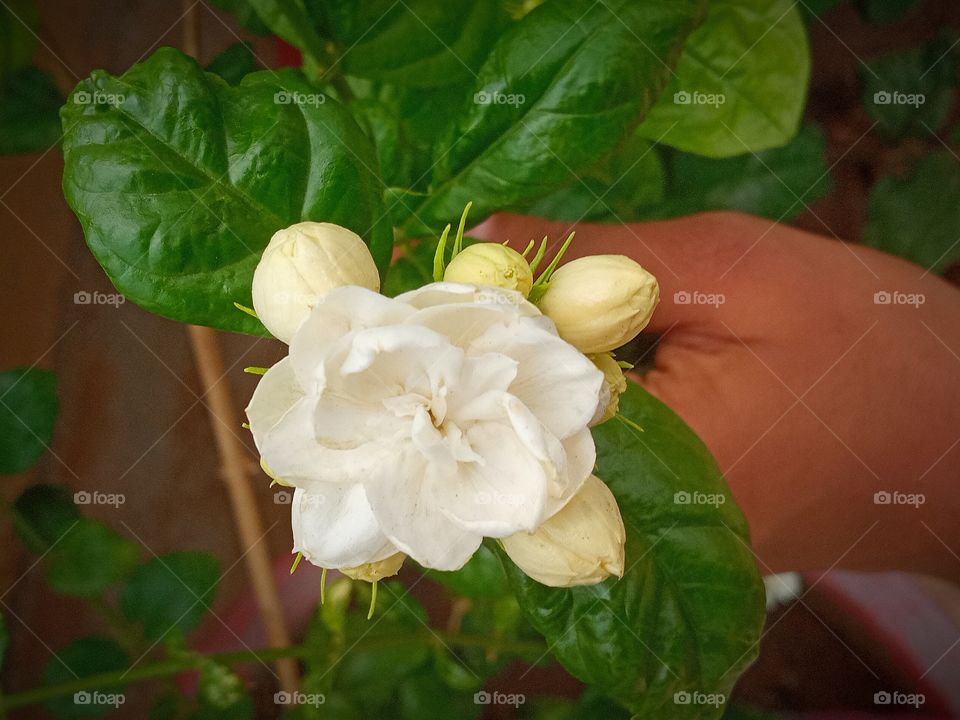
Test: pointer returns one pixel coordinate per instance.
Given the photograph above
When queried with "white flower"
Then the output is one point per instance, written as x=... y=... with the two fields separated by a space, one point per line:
x=424 y=423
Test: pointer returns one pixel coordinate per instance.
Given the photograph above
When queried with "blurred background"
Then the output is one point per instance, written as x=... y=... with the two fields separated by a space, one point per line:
x=133 y=422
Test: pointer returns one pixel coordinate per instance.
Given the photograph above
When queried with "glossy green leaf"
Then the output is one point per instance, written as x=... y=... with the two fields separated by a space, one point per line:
x=234 y=63
x=629 y=178
x=29 y=112
x=28 y=410
x=179 y=192
x=82 y=658
x=420 y=43
x=482 y=576
x=917 y=217
x=561 y=88
x=18 y=27
x=171 y=592
x=776 y=183
x=42 y=515
x=741 y=82
x=89 y=559
x=687 y=615
x=910 y=93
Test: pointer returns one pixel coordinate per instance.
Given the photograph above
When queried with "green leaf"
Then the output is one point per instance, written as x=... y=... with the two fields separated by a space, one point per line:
x=687 y=615
x=382 y=126
x=882 y=12
x=234 y=63
x=910 y=93
x=741 y=82
x=420 y=43
x=774 y=183
x=28 y=410
x=290 y=20
x=630 y=177
x=425 y=697
x=43 y=515
x=89 y=559
x=917 y=217
x=18 y=25
x=222 y=695
x=561 y=88
x=29 y=112
x=179 y=192
x=82 y=658
x=171 y=592
x=482 y=576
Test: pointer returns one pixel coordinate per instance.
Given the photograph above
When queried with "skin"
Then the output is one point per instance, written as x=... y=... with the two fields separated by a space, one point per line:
x=811 y=396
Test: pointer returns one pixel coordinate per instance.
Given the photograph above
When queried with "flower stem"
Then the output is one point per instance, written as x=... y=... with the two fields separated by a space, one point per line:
x=188 y=663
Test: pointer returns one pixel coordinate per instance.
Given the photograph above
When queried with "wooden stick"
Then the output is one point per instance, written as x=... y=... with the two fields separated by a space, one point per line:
x=235 y=472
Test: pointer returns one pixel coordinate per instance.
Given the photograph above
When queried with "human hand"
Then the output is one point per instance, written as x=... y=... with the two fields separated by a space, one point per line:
x=812 y=393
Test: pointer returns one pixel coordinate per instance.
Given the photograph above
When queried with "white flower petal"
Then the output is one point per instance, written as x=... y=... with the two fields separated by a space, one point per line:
x=404 y=504
x=294 y=453
x=394 y=361
x=581 y=458
x=276 y=393
x=501 y=494
x=555 y=380
x=339 y=312
x=335 y=527
x=448 y=293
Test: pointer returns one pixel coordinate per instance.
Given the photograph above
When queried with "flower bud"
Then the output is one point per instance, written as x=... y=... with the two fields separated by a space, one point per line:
x=301 y=264
x=371 y=572
x=600 y=302
x=614 y=384
x=580 y=545
x=491 y=264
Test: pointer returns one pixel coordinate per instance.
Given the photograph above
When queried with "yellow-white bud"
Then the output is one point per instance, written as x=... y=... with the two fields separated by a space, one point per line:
x=491 y=264
x=600 y=302
x=371 y=572
x=614 y=384
x=301 y=264
x=580 y=545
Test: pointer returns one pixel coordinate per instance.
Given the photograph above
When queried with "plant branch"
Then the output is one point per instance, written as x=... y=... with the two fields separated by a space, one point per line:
x=194 y=662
